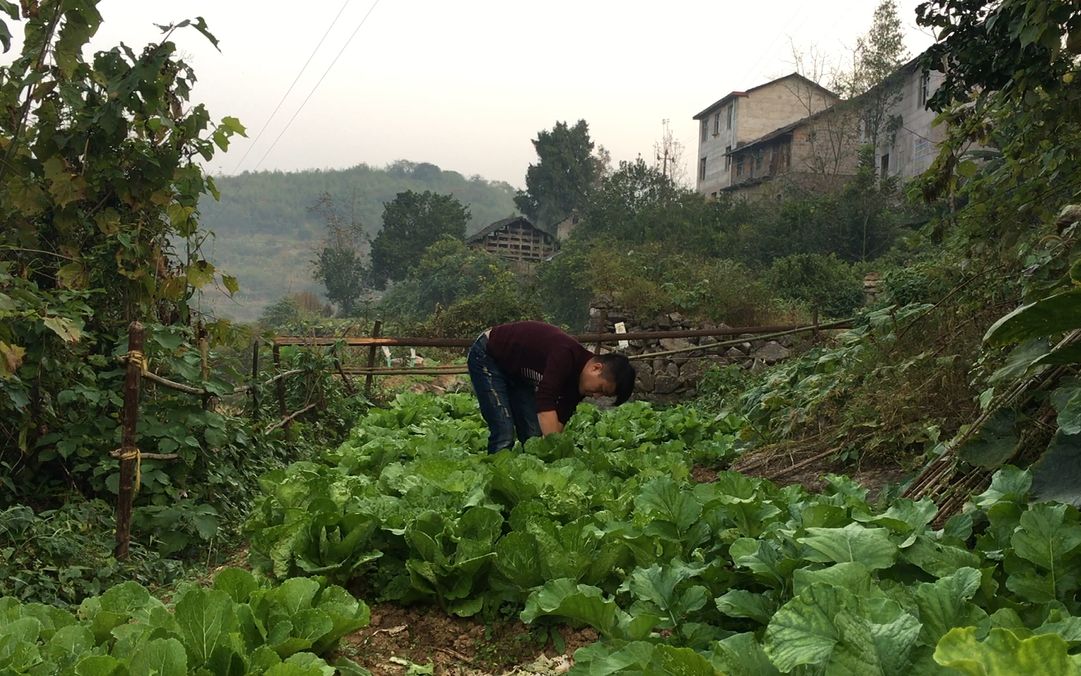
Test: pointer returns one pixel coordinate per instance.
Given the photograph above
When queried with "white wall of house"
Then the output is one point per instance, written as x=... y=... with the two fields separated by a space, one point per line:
x=910 y=151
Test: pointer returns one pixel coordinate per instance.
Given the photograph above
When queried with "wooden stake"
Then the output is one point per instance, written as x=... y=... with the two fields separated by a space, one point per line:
x=254 y=379
x=129 y=451
x=376 y=331
x=338 y=366
x=277 y=354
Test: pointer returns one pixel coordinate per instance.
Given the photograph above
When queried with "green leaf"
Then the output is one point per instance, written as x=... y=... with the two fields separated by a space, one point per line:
x=995 y=443
x=64 y=186
x=968 y=168
x=742 y=655
x=1056 y=475
x=565 y=598
x=200 y=273
x=116 y=606
x=945 y=604
x=5 y=36
x=869 y=546
x=850 y=575
x=1021 y=359
x=1046 y=317
x=1046 y=538
x=160 y=657
x=100 y=665
x=1002 y=653
x=69 y=330
x=205 y=618
x=1067 y=401
x=1008 y=484
x=743 y=603
x=68 y=644
x=230 y=283
x=237 y=583
x=803 y=630
x=662 y=498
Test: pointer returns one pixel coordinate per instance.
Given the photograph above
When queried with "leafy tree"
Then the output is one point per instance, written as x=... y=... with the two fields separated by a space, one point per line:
x=456 y=290
x=824 y=282
x=412 y=223
x=339 y=263
x=1010 y=74
x=100 y=179
x=877 y=57
x=638 y=203
x=566 y=172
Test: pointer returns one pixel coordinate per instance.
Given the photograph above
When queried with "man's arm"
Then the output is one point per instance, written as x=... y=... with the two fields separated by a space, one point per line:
x=549 y=422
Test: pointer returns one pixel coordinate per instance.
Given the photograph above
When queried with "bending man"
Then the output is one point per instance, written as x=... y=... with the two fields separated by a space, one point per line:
x=530 y=376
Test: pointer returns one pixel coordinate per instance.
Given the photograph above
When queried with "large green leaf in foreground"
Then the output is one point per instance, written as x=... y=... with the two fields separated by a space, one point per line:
x=1002 y=653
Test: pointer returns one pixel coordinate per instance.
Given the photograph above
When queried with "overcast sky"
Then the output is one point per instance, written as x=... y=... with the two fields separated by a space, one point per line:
x=466 y=84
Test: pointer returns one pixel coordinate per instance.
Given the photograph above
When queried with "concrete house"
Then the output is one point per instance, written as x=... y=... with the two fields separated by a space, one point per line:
x=910 y=145
x=742 y=116
x=515 y=239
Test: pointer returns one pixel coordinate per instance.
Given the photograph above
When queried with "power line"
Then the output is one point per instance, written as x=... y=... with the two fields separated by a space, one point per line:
x=289 y=91
x=312 y=92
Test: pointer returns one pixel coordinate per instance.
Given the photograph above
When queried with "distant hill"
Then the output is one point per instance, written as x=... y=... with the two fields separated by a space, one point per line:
x=265 y=232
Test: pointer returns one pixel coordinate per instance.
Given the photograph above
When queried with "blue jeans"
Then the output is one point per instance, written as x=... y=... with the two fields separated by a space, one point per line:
x=507 y=403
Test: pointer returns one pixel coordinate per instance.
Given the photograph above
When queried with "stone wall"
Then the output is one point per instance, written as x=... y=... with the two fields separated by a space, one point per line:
x=674 y=376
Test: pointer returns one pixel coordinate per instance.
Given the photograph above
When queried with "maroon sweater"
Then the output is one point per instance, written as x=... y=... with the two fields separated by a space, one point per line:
x=545 y=356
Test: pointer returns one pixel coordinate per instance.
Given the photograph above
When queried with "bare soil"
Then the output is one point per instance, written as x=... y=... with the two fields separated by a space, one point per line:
x=399 y=638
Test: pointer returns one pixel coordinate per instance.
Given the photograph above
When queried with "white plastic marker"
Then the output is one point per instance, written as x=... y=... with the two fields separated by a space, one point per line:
x=386 y=353
x=412 y=356
x=622 y=328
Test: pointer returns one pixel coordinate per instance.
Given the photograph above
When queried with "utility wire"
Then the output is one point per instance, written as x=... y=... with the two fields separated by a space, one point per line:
x=312 y=92
x=289 y=91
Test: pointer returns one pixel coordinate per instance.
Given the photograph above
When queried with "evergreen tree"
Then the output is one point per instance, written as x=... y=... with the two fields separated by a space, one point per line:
x=561 y=180
x=411 y=223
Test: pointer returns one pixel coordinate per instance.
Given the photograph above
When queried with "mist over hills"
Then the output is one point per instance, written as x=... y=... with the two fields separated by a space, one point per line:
x=265 y=231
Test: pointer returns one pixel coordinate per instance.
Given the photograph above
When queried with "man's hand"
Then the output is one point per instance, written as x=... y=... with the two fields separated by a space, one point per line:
x=549 y=422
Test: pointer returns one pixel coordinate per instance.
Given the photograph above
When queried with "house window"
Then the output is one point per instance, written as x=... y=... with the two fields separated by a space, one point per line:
x=717 y=123
x=757 y=161
x=884 y=165
x=729 y=115
x=702 y=169
x=705 y=129
x=739 y=165
x=727 y=157
x=925 y=88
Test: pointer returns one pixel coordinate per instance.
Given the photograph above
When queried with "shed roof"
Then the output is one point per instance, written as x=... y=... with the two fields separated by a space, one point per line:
x=499 y=225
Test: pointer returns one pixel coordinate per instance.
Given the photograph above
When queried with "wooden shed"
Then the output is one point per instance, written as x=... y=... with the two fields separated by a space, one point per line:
x=516 y=239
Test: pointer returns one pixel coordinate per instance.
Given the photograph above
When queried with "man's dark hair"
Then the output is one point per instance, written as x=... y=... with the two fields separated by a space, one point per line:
x=618 y=369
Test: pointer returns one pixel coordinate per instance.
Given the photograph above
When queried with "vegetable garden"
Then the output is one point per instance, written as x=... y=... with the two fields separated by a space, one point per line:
x=601 y=526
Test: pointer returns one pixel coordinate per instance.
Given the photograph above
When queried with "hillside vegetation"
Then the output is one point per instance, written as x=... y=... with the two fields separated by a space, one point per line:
x=265 y=231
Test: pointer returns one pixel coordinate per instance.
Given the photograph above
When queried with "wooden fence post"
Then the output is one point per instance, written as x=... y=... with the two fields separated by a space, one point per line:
x=280 y=385
x=204 y=358
x=254 y=379
x=376 y=331
x=814 y=332
x=129 y=451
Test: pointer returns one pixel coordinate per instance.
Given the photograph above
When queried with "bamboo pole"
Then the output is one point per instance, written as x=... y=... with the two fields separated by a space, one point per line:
x=583 y=338
x=129 y=451
x=376 y=330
